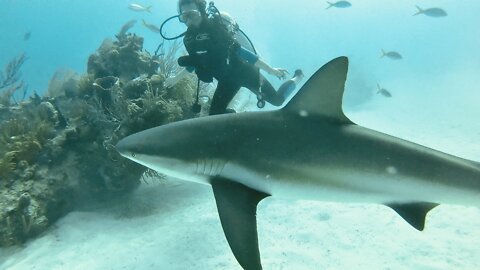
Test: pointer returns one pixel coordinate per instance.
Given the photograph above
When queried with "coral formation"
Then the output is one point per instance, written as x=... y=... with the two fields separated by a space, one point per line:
x=63 y=83
x=58 y=150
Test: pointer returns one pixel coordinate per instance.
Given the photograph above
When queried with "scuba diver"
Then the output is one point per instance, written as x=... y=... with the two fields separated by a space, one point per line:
x=215 y=52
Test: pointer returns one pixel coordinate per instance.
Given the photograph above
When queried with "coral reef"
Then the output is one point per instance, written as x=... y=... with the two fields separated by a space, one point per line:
x=63 y=83
x=57 y=152
x=123 y=58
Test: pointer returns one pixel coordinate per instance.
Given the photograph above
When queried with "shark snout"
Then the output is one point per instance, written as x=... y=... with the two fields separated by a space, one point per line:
x=142 y=145
x=125 y=147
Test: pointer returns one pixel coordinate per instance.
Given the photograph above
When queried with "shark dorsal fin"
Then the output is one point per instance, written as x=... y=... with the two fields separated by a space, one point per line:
x=237 y=208
x=413 y=213
x=322 y=94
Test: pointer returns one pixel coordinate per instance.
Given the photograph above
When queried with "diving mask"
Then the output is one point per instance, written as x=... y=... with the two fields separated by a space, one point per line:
x=189 y=15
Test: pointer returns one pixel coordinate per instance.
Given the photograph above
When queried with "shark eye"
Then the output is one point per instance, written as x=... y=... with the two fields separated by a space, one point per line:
x=133 y=155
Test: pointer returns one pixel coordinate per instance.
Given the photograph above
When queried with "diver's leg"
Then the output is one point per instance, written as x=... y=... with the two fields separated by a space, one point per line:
x=277 y=98
x=223 y=95
x=287 y=88
x=258 y=84
x=269 y=93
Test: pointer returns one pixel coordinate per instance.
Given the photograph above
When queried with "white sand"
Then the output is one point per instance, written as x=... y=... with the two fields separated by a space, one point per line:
x=177 y=227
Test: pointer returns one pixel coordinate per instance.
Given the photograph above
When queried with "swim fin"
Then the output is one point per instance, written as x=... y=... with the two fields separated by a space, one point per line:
x=287 y=88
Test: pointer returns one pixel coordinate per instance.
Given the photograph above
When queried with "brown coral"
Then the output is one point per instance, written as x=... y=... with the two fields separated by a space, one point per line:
x=58 y=149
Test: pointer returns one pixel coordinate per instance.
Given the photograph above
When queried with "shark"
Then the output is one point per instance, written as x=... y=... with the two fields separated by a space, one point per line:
x=308 y=150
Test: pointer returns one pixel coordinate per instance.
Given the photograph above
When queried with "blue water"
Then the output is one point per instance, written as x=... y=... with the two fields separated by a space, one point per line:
x=435 y=87
x=289 y=34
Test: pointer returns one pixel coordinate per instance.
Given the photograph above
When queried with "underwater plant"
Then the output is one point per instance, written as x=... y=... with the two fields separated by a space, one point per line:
x=10 y=82
x=7 y=165
x=168 y=58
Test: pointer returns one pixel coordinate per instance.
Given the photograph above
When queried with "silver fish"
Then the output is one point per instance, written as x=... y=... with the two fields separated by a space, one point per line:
x=384 y=92
x=151 y=27
x=339 y=4
x=392 y=55
x=27 y=35
x=139 y=8
x=431 y=12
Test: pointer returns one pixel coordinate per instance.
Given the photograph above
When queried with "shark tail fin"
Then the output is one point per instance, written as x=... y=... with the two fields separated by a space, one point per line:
x=379 y=88
x=420 y=11
x=149 y=9
x=330 y=4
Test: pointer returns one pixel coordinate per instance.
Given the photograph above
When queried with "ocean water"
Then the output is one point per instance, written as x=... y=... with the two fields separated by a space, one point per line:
x=435 y=89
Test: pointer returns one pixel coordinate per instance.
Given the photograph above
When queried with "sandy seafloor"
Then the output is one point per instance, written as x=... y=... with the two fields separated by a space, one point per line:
x=181 y=230
x=174 y=225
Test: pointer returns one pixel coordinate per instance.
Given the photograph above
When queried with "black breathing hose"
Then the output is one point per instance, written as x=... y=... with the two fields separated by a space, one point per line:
x=163 y=24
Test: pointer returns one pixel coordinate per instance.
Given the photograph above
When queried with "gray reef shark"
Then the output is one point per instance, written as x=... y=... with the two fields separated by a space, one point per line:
x=307 y=150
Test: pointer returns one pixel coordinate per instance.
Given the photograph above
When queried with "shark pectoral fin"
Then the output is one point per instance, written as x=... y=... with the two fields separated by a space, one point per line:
x=413 y=213
x=322 y=94
x=237 y=207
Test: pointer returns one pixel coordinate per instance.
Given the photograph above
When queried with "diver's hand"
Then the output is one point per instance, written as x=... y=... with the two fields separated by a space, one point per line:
x=280 y=73
x=170 y=82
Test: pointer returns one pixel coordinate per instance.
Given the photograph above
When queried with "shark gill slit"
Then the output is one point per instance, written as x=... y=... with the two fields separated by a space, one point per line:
x=212 y=167
x=204 y=166
x=200 y=165
x=219 y=167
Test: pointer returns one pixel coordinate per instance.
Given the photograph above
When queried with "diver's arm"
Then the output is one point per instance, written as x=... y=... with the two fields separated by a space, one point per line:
x=254 y=59
x=278 y=72
x=171 y=81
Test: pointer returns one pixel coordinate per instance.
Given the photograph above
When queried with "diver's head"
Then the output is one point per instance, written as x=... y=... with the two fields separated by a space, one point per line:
x=192 y=12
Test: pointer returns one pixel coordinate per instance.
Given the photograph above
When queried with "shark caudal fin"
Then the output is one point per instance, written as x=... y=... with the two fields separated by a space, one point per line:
x=322 y=94
x=237 y=208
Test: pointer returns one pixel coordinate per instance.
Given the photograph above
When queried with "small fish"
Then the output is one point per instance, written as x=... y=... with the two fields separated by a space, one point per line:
x=27 y=35
x=431 y=12
x=384 y=92
x=139 y=8
x=392 y=55
x=126 y=27
x=339 y=4
x=151 y=27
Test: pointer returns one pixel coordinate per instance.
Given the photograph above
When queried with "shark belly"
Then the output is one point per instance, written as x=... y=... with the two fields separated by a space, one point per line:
x=381 y=184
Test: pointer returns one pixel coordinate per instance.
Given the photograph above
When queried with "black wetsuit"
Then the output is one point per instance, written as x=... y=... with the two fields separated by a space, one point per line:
x=212 y=51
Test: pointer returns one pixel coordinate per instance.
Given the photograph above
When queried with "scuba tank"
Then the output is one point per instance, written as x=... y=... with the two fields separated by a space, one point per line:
x=232 y=26
x=234 y=29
